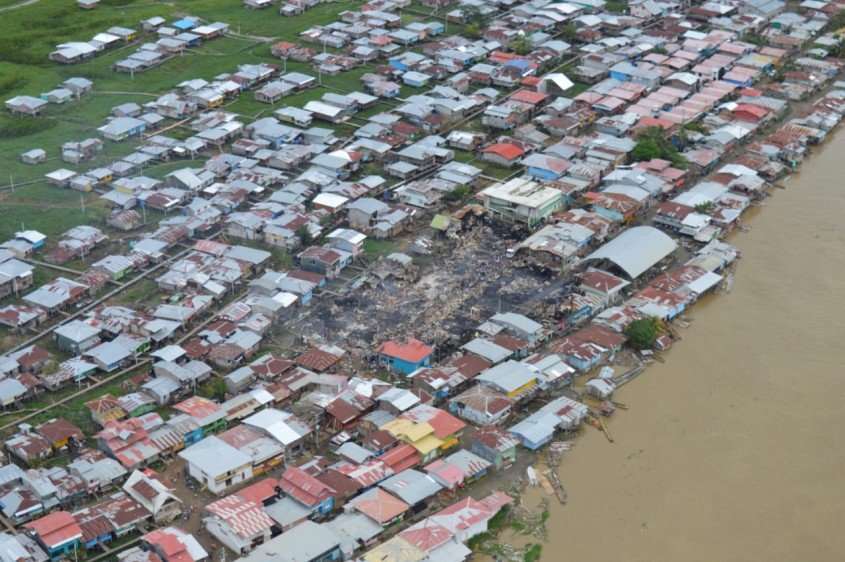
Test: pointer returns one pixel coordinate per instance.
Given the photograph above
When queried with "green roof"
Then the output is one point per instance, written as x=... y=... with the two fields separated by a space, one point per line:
x=440 y=222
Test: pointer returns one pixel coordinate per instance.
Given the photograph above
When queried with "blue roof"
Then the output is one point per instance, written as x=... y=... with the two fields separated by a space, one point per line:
x=522 y=64
x=184 y=24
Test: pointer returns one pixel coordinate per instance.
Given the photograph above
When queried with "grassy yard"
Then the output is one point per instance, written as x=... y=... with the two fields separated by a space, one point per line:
x=141 y=293
x=377 y=248
x=47 y=216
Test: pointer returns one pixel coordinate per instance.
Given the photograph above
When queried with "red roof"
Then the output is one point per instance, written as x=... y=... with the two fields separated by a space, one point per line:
x=58 y=430
x=401 y=457
x=305 y=488
x=380 y=506
x=316 y=359
x=443 y=423
x=413 y=352
x=527 y=96
x=427 y=535
x=505 y=150
x=471 y=365
x=755 y=111
x=260 y=491
x=495 y=438
x=244 y=517
x=197 y=406
x=307 y=276
x=56 y=529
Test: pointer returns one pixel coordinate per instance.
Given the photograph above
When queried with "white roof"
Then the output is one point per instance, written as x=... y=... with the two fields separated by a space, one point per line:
x=509 y=376
x=330 y=199
x=215 y=456
x=636 y=250
x=521 y=191
x=704 y=282
x=275 y=423
x=560 y=80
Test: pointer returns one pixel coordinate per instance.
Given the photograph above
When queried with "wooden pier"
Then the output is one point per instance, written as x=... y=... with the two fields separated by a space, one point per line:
x=551 y=477
x=628 y=376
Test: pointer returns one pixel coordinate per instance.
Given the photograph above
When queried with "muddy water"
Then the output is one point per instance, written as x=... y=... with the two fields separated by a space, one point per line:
x=734 y=448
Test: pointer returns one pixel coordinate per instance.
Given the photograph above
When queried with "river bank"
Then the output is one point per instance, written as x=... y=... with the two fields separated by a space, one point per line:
x=731 y=449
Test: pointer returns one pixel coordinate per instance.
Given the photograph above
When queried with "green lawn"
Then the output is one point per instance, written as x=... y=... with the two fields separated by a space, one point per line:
x=142 y=292
x=47 y=217
x=376 y=248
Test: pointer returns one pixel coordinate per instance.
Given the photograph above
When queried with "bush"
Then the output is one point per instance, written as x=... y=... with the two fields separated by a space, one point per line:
x=12 y=128
x=643 y=332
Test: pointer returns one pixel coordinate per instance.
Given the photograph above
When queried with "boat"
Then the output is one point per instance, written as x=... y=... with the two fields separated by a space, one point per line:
x=532 y=475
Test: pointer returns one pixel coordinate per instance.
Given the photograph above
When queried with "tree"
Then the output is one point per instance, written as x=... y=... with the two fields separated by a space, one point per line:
x=645 y=150
x=642 y=332
x=838 y=50
x=458 y=194
x=472 y=30
x=653 y=142
x=472 y=14
x=214 y=389
x=705 y=208
x=522 y=45
x=569 y=32
x=304 y=234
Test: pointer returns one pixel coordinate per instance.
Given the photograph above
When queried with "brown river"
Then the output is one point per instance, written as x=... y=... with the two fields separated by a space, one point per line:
x=733 y=449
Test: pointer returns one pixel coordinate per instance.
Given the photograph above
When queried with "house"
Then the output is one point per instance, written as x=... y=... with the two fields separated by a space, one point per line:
x=511 y=378
x=172 y=544
x=568 y=412
x=405 y=357
x=25 y=105
x=15 y=277
x=217 y=465
x=29 y=447
x=482 y=405
x=469 y=517
x=60 y=433
x=521 y=200
x=108 y=356
x=494 y=444
x=308 y=491
x=364 y=212
x=122 y=128
x=284 y=427
x=35 y=156
x=124 y=220
x=20 y=547
x=322 y=260
x=380 y=506
x=106 y=408
x=154 y=493
x=545 y=167
x=347 y=240
x=239 y=523
x=503 y=154
x=520 y=326
x=19 y=317
x=57 y=533
x=307 y=542
x=76 y=336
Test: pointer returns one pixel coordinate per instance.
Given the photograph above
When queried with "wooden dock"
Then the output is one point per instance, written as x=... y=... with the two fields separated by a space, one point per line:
x=545 y=483
x=554 y=481
x=605 y=430
x=628 y=376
